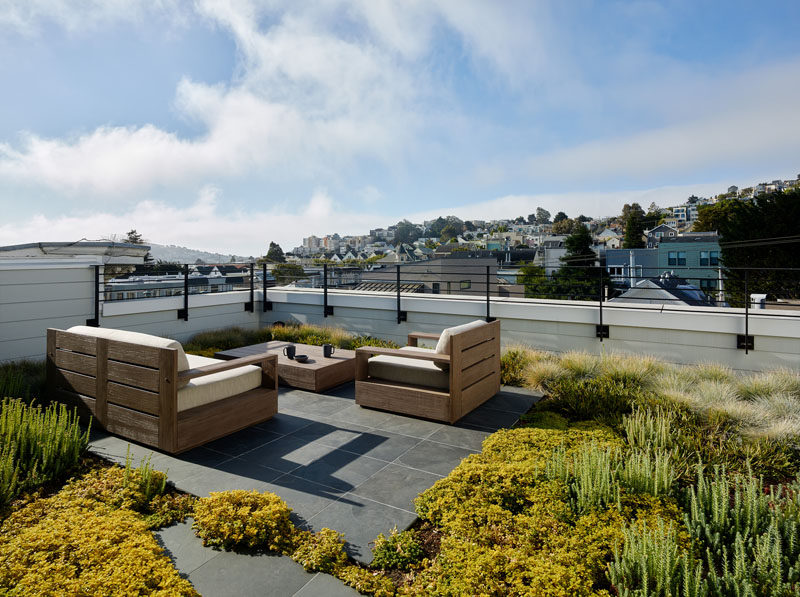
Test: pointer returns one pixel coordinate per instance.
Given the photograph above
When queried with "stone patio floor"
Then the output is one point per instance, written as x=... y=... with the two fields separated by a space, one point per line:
x=336 y=464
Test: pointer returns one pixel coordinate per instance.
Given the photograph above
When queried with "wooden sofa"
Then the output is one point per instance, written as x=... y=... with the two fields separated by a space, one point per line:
x=443 y=384
x=146 y=389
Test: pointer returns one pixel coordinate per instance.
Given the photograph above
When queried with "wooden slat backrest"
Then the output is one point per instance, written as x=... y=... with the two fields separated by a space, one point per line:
x=474 y=363
x=112 y=372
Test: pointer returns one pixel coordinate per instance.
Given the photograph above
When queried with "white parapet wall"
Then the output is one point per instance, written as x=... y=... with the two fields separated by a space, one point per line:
x=676 y=334
x=40 y=294
x=60 y=294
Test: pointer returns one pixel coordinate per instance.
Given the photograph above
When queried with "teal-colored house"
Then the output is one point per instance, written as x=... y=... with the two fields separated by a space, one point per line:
x=692 y=256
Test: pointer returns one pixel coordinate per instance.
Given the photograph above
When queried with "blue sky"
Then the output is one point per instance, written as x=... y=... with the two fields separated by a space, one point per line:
x=222 y=126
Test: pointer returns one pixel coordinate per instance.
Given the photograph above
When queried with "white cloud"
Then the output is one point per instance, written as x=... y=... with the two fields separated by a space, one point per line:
x=206 y=224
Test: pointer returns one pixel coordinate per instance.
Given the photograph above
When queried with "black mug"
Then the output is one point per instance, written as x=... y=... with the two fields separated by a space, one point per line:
x=328 y=350
x=289 y=351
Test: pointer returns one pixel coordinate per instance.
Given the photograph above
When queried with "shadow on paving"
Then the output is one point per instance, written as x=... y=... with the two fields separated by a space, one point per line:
x=336 y=464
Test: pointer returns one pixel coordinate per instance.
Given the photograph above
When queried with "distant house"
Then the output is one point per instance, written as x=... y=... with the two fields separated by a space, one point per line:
x=628 y=267
x=607 y=235
x=655 y=235
x=693 y=256
x=550 y=252
x=665 y=290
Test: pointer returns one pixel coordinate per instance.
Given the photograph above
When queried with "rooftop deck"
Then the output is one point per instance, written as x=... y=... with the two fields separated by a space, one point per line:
x=336 y=464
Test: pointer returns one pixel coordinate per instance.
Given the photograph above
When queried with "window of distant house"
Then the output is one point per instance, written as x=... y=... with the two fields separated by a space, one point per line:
x=659 y=234
x=466 y=284
x=703 y=257
x=436 y=288
x=681 y=257
x=672 y=258
x=672 y=234
x=708 y=284
x=714 y=258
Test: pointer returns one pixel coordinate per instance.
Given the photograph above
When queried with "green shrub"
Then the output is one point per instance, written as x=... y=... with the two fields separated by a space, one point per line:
x=71 y=544
x=242 y=519
x=366 y=581
x=23 y=379
x=321 y=552
x=225 y=339
x=648 y=471
x=513 y=363
x=37 y=445
x=400 y=550
x=591 y=397
x=652 y=563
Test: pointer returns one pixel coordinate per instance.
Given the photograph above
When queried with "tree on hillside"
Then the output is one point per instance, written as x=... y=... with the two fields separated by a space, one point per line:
x=286 y=273
x=542 y=215
x=579 y=247
x=583 y=219
x=275 y=254
x=634 y=232
x=565 y=226
x=519 y=220
x=450 y=230
x=760 y=235
x=469 y=226
x=405 y=232
x=135 y=238
x=560 y=217
x=531 y=219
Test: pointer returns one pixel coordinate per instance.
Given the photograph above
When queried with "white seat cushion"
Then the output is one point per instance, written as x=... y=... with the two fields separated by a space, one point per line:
x=411 y=371
x=443 y=345
x=217 y=386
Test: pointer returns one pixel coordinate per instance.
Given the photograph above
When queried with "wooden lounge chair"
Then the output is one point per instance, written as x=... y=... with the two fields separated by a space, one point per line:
x=443 y=384
x=146 y=389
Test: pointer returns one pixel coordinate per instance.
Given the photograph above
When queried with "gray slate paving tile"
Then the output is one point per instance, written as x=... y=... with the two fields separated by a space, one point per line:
x=434 y=458
x=287 y=453
x=463 y=437
x=396 y=485
x=420 y=428
x=329 y=432
x=283 y=423
x=184 y=548
x=242 y=441
x=517 y=400
x=361 y=519
x=341 y=470
x=359 y=415
x=383 y=445
x=489 y=418
x=325 y=585
x=304 y=497
x=240 y=575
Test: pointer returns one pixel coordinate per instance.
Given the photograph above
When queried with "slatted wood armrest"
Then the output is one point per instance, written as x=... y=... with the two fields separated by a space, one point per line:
x=413 y=337
x=364 y=352
x=227 y=365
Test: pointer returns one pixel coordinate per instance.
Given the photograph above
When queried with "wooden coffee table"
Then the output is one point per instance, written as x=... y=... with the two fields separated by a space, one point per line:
x=317 y=374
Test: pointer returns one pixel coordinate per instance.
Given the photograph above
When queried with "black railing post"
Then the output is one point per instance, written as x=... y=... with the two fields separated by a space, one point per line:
x=326 y=310
x=602 y=330
x=401 y=315
x=250 y=305
x=266 y=305
x=489 y=317
x=184 y=313
x=746 y=315
x=95 y=321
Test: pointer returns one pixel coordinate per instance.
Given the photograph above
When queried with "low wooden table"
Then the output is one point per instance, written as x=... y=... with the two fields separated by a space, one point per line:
x=317 y=374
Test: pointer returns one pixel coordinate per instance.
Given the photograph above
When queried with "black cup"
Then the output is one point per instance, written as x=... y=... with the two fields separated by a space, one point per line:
x=289 y=351
x=328 y=350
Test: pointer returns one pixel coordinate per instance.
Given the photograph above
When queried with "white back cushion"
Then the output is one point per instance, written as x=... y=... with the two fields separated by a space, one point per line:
x=134 y=338
x=443 y=345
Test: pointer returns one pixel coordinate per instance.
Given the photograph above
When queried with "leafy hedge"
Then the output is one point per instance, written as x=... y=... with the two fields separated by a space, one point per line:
x=209 y=343
x=37 y=446
x=92 y=537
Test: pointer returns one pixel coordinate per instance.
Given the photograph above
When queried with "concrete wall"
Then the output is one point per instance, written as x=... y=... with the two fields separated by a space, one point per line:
x=680 y=335
x=33 y=298
x=60 y=293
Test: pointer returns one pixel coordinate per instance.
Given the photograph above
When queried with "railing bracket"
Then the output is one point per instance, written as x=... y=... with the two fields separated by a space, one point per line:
x=745 y=342
x=402 y=316
x=328 y=310
x=601 y=331
x=183 y=314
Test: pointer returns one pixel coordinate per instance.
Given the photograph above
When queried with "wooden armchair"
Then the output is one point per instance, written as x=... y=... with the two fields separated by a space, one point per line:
x=443 y=384
x=148 y=390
